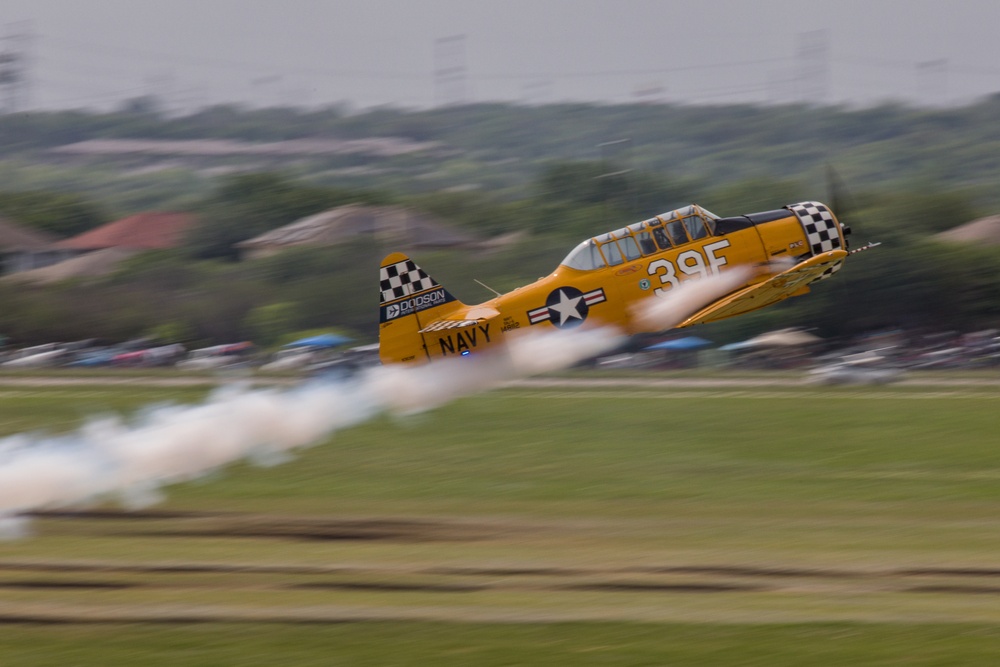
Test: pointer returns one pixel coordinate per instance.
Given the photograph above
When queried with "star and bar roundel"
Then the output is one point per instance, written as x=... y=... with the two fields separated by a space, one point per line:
x=566 y=307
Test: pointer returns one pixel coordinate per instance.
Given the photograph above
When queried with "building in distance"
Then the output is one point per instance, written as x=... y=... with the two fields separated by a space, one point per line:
x=391 y=225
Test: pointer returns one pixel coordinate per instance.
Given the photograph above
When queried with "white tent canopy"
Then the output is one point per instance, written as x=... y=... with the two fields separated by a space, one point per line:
x=783 y=338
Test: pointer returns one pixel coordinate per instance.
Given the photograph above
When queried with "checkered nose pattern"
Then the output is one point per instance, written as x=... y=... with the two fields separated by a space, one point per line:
x=820 y=227
x=403 y=279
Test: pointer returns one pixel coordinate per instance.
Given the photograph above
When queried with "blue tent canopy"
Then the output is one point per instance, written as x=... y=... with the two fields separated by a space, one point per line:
x=322 y=340
x=686 y=343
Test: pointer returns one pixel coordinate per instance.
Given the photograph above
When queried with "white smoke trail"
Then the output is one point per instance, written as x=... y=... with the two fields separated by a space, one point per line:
x=686 y=299
x=406 y=389
x=13 y=527
x=110 y=457
x=170 y=444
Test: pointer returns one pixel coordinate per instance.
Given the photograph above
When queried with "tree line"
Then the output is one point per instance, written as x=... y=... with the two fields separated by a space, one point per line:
x=201 y=293
x=504 y=146
x=555 y=173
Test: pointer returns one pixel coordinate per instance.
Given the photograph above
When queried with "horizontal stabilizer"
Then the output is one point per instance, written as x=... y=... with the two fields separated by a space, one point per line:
x=461 y=318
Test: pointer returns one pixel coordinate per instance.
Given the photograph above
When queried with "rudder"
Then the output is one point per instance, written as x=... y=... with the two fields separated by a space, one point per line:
x=408 y=298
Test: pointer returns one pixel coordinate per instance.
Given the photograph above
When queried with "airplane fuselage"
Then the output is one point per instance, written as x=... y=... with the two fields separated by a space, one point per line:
x=602 y=280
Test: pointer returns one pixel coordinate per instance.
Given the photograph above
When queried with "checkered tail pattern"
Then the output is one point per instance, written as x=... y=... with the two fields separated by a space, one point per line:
x=403 y=279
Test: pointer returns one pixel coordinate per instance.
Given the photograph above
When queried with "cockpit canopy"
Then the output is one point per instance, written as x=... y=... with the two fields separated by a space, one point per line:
x=667 y=230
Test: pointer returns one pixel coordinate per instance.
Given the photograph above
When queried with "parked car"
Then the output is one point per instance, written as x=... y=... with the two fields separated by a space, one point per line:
x=39 y=356
x=217 y=356
x=868 y=367
x=94 y=357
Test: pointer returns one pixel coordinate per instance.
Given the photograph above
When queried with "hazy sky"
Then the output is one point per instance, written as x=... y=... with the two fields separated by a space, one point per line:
x=372 y=52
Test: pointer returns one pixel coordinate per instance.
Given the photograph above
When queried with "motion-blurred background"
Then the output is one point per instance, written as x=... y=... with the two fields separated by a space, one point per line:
x=154 y=153
x=212 y=184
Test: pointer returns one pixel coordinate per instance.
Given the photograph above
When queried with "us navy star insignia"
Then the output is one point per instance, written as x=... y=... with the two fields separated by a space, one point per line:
x=566 y=307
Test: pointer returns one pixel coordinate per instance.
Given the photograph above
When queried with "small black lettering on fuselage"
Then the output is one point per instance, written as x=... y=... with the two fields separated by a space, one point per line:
x=464 y=341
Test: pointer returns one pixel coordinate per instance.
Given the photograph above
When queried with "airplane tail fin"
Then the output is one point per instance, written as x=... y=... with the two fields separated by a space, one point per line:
x=409 y=299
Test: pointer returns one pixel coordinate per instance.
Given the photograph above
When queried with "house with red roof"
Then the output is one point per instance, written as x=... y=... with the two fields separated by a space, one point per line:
x=143 y=231
x=97 y=252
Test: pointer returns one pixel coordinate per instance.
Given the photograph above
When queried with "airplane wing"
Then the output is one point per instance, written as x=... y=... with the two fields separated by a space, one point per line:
x=780 y=286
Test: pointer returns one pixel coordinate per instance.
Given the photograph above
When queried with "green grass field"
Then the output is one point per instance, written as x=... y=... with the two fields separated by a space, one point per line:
x=784 y=526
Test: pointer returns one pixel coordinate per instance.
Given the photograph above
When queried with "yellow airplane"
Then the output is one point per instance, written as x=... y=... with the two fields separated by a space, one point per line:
x=602 y=279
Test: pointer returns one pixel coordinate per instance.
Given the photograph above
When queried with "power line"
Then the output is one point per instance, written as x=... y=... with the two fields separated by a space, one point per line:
x=908 y=65
x=224 y=63
x=810 y=65
x=629 y=72
x=813 y=66
x=110 y=96
x=257 y=68
x=932 y=80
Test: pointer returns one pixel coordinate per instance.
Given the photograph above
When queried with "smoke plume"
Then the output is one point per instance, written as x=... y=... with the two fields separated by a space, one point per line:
x=129 y=460
x=683 y=301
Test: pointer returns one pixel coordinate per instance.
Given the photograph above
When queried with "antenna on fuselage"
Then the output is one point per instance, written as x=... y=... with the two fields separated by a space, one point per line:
x=489 y=288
